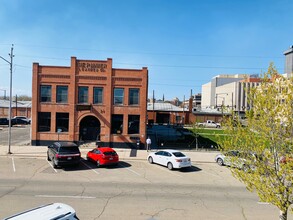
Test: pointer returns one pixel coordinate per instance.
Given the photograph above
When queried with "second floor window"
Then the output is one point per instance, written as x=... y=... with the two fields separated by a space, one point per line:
x=133 y=96
x=118 y=96
x=45 y=93
x=98 y=95
x=62 y=94
x=82 y=94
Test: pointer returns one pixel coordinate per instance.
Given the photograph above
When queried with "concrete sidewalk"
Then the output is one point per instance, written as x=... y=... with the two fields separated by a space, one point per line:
x=124 y=154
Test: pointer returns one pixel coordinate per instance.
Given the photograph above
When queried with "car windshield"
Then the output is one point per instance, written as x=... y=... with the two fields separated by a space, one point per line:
x=68 y=150
x=178 y=154
x=232 y=154
x=110 y=153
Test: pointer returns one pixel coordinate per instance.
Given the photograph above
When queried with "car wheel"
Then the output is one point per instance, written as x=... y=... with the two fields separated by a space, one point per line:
x=48 y=158
x=170 y=166
x=220 y=161
x=98 y=163
x=54 y=163
x=150 y=160
x=245 y=168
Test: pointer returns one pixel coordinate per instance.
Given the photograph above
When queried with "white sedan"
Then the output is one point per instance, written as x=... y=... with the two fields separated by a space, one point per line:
x=170 y=158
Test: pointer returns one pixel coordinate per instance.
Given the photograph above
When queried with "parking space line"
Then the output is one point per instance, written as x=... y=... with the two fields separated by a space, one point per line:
x=72 y=197
x=263 y=203
x=13 y=164
x=130 y=170
x=90 y=167
x=52 y=166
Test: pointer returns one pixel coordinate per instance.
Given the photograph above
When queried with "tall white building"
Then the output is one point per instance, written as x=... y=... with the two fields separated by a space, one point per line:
x=232 y=90
x=229 y=91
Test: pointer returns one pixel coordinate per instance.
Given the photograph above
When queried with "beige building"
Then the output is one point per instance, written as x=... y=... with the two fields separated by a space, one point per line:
x=229 y=91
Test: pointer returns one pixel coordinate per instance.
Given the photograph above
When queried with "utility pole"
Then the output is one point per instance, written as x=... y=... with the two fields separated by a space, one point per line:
x=10 y=95
x=16 y=105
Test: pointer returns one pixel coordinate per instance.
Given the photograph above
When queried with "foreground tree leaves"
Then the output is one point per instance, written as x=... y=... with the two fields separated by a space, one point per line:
x=266 y=141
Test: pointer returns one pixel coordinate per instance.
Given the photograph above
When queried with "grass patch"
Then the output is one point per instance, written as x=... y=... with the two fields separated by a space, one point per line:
x=214 y=135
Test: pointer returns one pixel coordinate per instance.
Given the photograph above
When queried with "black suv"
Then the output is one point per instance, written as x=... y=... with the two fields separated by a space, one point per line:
x=63 y=153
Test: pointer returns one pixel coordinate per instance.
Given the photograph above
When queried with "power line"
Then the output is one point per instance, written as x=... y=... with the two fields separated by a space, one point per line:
x=153 y=53
x=197 y=67
x=164 y=65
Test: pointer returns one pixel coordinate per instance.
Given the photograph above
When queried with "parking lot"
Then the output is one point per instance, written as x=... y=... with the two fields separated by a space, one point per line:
x=135 y=189
x=20 y=135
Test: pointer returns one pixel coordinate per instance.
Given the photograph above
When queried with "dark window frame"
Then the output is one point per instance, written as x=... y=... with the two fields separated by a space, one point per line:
x=133 y=124
x=45 y=96
x=133 y=98
x=117 y=124
x=44 y=122
x=62 y=122
x=98 y=98
x=83 y=95
x=118 y=99
x=60 y=96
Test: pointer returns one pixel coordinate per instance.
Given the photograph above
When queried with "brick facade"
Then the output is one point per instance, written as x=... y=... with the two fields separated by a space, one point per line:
x=88 y=111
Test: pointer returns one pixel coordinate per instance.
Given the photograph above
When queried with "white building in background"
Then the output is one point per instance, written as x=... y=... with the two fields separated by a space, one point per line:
x=289 y=62
x=229 y=91
x=232 y=91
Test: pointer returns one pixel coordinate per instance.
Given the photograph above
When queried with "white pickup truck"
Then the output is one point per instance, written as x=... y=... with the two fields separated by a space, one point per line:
x=209 y=124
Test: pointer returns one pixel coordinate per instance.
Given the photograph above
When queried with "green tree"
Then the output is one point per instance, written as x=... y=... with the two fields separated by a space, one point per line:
x=266 y=141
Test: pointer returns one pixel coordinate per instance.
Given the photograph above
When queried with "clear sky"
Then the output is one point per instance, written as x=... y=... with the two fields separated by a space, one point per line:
x=184 y=43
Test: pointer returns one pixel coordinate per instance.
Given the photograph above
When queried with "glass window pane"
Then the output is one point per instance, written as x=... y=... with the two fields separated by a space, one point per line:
x=118 y=96
x=62 y=94
x=62 y=122
x=133 y=96
x=98 y=95
x=45 y=93
x=133 y=124
x=44 y=121
x=117 y=124
x=82 y=94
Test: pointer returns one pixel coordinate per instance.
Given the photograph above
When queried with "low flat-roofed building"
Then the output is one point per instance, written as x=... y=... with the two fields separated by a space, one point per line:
x=19 y=108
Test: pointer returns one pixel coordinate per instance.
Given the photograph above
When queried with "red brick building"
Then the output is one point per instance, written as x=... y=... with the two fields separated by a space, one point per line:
x=89 y=101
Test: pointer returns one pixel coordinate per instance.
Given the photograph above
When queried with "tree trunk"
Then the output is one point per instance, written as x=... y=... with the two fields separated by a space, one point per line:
x=283 y=215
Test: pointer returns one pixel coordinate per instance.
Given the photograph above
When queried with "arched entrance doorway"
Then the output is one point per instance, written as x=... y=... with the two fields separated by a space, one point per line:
x=89 y=129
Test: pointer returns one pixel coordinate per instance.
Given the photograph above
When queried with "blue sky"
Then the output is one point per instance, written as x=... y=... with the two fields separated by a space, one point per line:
x=184 y=43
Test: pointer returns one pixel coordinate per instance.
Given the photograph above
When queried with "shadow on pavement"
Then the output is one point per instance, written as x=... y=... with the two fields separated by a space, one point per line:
x=88 y=165
x=190 y=169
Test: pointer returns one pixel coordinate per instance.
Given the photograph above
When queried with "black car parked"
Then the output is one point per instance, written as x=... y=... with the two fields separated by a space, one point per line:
x=63 y=153
x=19 y=121
x=4 y=121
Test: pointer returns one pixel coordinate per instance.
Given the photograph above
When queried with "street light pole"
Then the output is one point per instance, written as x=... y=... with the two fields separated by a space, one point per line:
x=222 y=93
x=10 y=96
